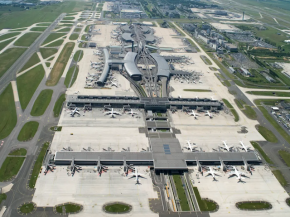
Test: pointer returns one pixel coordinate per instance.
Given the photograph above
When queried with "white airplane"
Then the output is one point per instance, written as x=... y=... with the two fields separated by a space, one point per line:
x=136 y=175
x=237 y=173
x=208 y=114
x=212 y=173
x=96 y=66
x=190 y=146
x=80 y=41
x=96 y=63
x=75 y=111
x=192 y=113
x=112 y=113
x=226 y=147
x=96 y=53
x=97 y=30
x=245 y=148
x=114 y=84
x=131 y=112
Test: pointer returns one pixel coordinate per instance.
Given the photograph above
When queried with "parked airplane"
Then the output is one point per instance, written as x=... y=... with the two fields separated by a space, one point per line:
x=237 y=173
x=226 y=147
x=190 y=146
x=49 y=167
x=80 y=41
x=131 y=112
x=199 y=166
x=249 y=167
x=212 y=173
x=75 y=111
x=114 y=84
x=208 y=114
x=112 y=113
x=96 y=53
x=192 y=113
x=101 y=168
x=137 y=175
x=96 y=63
x=73 y=167
x=245 y=148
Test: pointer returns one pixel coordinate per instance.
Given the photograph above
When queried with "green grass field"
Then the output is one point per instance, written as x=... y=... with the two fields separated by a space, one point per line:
x=77 y=29
x=46 y=13
x=254 y=205
x=68 y=208
x=280 y=177
x=43 y=24
x=8 y=57
x=197 y=90
x=73 y=36
x=18 y=152
x=246 y=109
x=27 y=208
x=10 y=167
x=47 y=64
x=261 y=151
x=41 y=102
x=181 y=193
x=267 y=134
x=28 y=83
x=204 y=205
x=58 y=105
x=2 y=197
x=34 y=59
x=9 y=35
x=69 y=75
x=5 y=43
x=60 y=64
x=37 y=165
x=8 y=117
x=270 y=93
x=27 y=39
x=38 y=29
x=206 y=60
x=228 y=104
x=52 y=37
x=64 y=30
x=117 y=208
x=68 y=18
x=78 y=55
x=47 y=52
x=28 y=131
x=56 y=43
x=285 y=155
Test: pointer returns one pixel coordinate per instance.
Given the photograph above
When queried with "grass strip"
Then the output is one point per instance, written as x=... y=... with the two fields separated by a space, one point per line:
x=8 y=57
x=28 y=131
x=41 y=102
x=37 y=165
x=52 y=37
x=47 y=52
x=39 y=29
x=254 y=205
x=10 y=167
x=69 y=208
x=58 y=105
x=267 y=134
x=78 y=55
x=69 y=75
x=227 y=103
x=27 y=39
x=27 y=208
x=197 y=90
x=117 y=208
x=231 y=108
x=181 y=193
x=8 y=117
x=56 y=43
x=2 y=197
x=261 y=151
x=74 y=36
x=5 y=43
x=280 y=177
x=205 y=60
x=270 y=93
x=204 y=205
x=60 y=64
x=9 y=35
x=285 y=155
x=18 y=152
x=28 y=83
x=34 y=59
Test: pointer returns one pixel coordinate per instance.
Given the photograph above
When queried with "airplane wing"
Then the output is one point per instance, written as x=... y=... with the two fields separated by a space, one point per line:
x=77 y=112
x=107 y=113
x=117 y=113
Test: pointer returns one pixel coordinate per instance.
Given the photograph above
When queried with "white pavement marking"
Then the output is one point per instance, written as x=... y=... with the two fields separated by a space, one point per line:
x=15 y=91
x=46 y=69
x=26 y=70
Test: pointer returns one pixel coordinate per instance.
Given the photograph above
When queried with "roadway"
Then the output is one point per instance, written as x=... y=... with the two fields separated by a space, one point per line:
x=10 y=74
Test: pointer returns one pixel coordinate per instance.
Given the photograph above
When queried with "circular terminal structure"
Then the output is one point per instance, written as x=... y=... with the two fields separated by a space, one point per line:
x=117 y=208
x=27 y=208
x=254 y=205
